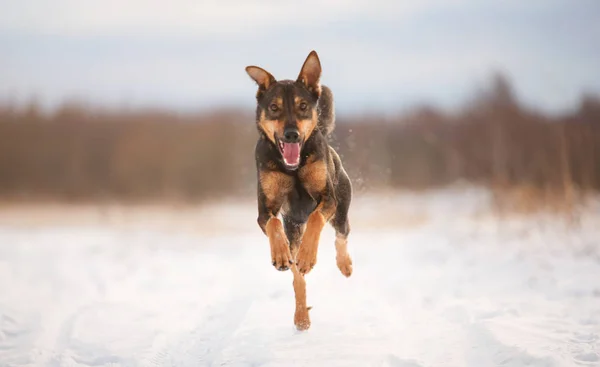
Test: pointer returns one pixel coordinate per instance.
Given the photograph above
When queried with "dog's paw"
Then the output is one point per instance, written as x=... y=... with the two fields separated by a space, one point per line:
x=307 y=257
x=281 y=256
x=301 y=318
x=344 y=263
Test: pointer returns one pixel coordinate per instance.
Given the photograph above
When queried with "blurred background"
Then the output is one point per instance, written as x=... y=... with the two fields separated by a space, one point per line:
x=141 y=101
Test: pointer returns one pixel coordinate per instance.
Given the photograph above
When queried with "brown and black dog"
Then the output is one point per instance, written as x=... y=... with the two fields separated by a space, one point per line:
x=300 y=176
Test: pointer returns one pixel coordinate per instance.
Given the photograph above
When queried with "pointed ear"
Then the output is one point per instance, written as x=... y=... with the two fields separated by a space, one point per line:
x=262 y=77
x=310 y=75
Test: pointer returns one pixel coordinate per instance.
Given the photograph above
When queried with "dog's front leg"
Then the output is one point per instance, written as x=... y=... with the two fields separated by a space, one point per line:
x=273 y=187
x=307 y=254
x=281 y=256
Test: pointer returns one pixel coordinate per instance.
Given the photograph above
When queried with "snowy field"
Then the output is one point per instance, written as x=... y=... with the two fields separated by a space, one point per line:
x=438 y=281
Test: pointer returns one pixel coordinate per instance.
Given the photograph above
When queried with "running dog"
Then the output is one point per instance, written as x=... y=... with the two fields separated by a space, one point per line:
x=300 y=176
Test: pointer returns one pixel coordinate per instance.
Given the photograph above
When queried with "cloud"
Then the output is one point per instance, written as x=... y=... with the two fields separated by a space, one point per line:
x=377 y=54
x=192 y=17
x=179 y=16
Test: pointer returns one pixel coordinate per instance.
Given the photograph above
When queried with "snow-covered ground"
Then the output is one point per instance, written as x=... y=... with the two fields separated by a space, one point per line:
x=438 y=281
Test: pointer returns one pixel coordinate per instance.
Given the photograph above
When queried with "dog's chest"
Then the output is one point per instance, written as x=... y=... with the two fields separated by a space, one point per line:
x=299 y=203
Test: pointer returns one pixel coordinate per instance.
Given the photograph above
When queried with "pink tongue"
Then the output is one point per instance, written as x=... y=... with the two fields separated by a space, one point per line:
x=291 y=153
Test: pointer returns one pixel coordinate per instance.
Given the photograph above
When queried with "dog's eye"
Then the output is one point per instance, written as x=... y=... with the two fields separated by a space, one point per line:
x=273 y=107
x=302 y=106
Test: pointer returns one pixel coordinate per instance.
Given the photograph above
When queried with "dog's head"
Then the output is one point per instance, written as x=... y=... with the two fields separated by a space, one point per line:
x=287 y=110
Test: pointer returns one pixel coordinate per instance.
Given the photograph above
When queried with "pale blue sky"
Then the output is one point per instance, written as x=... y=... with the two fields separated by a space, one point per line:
x=376 y=55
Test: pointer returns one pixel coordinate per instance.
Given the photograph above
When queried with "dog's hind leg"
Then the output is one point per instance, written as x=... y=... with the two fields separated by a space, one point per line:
x=342 y=226
x=294 y=231
x=342 y=257
x=301 y=317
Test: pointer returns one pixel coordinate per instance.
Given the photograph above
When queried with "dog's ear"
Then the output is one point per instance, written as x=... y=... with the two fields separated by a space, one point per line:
x=310 y=75
x=262 y=77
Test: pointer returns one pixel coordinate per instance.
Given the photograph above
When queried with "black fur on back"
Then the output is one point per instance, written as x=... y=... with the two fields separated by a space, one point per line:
x=326 y=109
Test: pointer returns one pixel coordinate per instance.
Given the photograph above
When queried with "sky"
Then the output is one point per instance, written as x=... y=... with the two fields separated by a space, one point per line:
x=376 y=55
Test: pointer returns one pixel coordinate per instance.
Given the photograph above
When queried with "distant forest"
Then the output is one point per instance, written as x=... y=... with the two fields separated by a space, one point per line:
x=80 y=153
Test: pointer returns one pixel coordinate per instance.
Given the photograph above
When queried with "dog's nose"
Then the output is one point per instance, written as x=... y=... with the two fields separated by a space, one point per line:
x=291 y=135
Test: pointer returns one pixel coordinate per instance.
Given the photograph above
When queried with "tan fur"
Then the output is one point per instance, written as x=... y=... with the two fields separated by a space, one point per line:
x=275 y=185
x=270 y=126
x=314 y=176
x=280 y=249
x=301 y=317
x=307 y=127
x=297 y=101
x=342 y=258
x=307 y=254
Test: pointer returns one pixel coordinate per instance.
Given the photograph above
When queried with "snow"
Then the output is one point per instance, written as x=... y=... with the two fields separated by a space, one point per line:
x=438 y=280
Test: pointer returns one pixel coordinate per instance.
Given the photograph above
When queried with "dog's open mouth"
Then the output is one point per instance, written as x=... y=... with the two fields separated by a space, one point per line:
x=290 y=153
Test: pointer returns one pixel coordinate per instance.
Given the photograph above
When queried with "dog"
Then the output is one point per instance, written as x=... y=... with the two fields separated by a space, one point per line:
x=300 y=176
